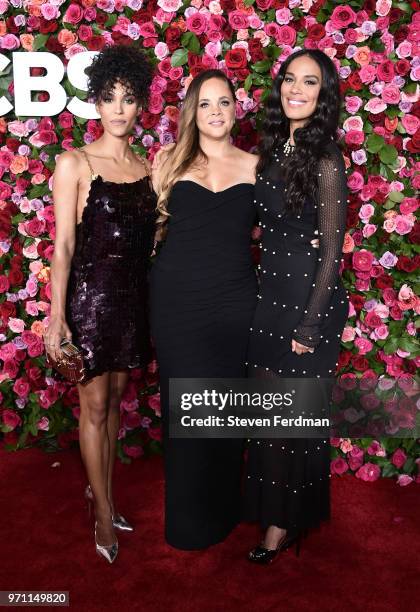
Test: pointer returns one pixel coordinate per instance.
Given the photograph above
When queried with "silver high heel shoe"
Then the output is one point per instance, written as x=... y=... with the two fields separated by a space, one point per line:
x=109 y=552
x=118 y=521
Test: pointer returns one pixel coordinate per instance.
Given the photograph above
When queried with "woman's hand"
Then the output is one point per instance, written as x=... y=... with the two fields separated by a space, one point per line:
x=300 y=349
x=315 y=241
x=56 y=331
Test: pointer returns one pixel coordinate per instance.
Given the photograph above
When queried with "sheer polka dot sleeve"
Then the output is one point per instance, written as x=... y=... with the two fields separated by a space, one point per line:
x=331 y=212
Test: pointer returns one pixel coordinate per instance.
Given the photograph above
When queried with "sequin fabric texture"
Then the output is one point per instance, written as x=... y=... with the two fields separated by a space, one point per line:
x=107 y=291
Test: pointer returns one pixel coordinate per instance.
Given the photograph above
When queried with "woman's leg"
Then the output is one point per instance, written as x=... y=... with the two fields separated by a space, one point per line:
x=95 y=449
x=117 y=383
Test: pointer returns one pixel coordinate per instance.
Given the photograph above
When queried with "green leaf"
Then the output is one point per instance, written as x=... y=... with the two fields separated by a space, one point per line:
x=249 y=2
x=248 y=82
x=40 y=41
x=408 y=344
x=190 y=41
x=374 y=143
x=179 y=57
x=391 y=346
x=261 y=66
x=396 y=196
x=388 y=154
x=112 y=20
x=389 y=470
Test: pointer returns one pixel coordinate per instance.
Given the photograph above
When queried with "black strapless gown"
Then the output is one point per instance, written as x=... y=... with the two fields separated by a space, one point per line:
x=107 y=306
x=203 y=297
x=302 y=297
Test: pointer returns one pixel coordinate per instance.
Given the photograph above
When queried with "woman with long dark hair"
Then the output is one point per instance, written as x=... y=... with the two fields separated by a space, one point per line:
x=105 y=223
x=203 y=297
x=302 y=305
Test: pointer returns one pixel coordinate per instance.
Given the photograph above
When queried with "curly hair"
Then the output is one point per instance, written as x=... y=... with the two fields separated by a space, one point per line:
x=312 y=141
x=122 y=64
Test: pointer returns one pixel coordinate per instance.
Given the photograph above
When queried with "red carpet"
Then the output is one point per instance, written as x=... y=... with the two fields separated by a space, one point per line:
x=366 y=559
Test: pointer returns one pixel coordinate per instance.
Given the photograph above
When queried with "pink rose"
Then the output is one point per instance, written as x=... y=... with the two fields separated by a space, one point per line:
x=348 y=334
x=409 y=205
x=197 y=23
x=342 y=16
x=398 y=458
x=404 y=480
x=366 y=211
x=354 y=138
x=338 y=466
x=363 y=345
x=286 y=35
x=367 y=74
x=375 y=106
x=406 y=298
x=403 y=225
x=353 y=103
x=369 y=229
x=391 y=94
x=355 y=181
x=369 y=472
x=133 y=451
x=43 y=424
x=10 y=419
x=9 y=42
x=238 y=20
x=154 y=403
x=74 y=14
x=381 y=332
x=49 y=11
x=362 y=260
x=21 y=387
x=411 y=123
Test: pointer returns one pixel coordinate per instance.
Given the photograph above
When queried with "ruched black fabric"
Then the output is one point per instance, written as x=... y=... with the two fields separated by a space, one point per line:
x=301 y=297
x=203 y=297
x=107 y=305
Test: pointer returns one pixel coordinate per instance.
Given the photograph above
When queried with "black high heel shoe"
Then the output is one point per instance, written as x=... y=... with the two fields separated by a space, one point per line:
x=265 y=556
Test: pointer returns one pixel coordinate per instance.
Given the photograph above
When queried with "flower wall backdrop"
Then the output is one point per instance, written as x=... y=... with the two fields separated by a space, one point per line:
x=374 y=46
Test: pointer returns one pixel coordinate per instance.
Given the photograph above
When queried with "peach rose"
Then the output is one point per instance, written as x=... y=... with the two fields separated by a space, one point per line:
x=362 y=56
x=37 y=328
x=348 y=245
x=66 y=38
x=27 y=41
x=3 y=28
x=19 y=164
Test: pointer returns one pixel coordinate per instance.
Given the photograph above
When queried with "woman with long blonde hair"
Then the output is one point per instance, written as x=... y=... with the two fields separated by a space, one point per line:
x=203 y=296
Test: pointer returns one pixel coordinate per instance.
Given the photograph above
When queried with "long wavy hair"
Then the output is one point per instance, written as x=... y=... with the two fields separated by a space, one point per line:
x=311 y=141
x=187 y=153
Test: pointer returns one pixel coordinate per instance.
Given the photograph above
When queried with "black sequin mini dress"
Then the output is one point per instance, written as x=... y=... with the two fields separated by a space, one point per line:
x=107 y=306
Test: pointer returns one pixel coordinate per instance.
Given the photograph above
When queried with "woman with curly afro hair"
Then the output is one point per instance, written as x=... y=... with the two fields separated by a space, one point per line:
x=105 y=220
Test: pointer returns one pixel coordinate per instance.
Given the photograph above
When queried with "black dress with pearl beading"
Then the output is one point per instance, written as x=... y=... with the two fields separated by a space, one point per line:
x=301 y=297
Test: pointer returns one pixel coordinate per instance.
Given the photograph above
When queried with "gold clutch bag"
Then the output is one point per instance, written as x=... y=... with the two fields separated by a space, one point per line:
x=70 y=365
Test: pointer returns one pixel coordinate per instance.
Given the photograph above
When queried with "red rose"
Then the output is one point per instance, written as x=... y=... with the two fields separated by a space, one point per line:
x=236 y=59
x=15 y=277
x=316 y=31
x=172 y=37
x=53 y=46
x=402 y=67
x=360 y=363
x=12 y=144
x=46 y=27
x=384 y=282
x=354 y=81
x=414 y=235
x=372 y=319
x=344 y=358
x=95 y=43
x=406 y=264
x=362 y=260
x=386 y=71
x=413 y=145
x=357 y=301
x=148 y=120
x=255 y=50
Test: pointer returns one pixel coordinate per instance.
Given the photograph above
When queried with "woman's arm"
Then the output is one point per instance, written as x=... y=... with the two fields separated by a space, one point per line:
x=331 y=211
x=65 y=196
